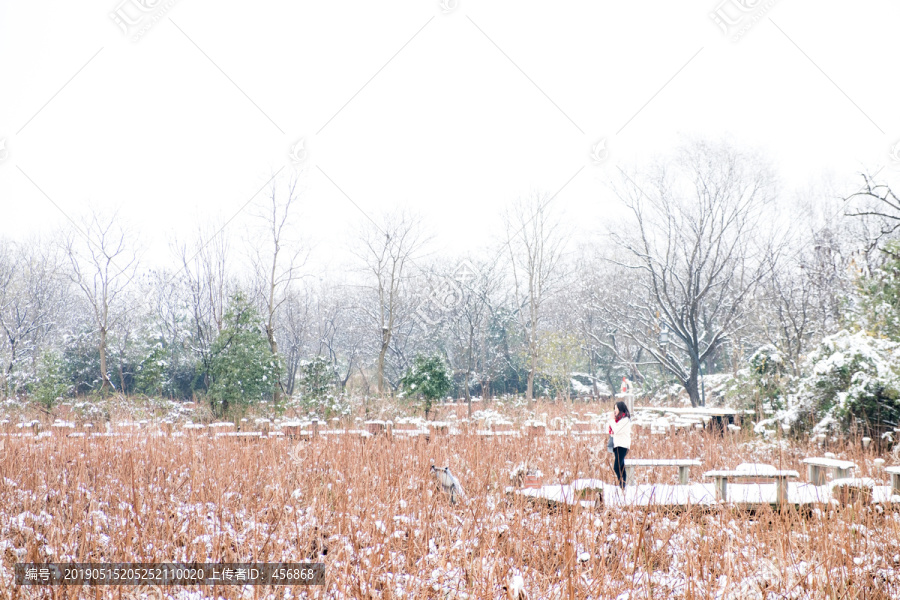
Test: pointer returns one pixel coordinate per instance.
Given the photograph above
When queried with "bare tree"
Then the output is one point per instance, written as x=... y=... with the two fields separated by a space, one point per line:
x=205 y=273
x=103 y=263
x=478 y=282
x=695 y=238
x=878 y=206
x=387 y=252
x=293 y=326
x=803 y=295
x=535 y=252
x=277 y=264
x=340 y=330
x=169 y=313
x=31 y=294
x=785 y=310
x=605 y=297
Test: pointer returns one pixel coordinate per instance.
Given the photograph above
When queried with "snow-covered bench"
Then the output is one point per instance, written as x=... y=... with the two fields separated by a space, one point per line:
x=242 y=436
x=684 y=465
x=753 y=471
x=411 y=431
x=851 y=489
x=817 y=467
x=487 y=433
x=894 y=472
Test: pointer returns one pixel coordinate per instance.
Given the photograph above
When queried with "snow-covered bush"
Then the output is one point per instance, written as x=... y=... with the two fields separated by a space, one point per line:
x=878 y=310
x=242 y=370
x=427 y=379
x=768 y=374
x=762 y=385
x=50 y=386
x=849 y=380
x=316 y=382
x=767 y=363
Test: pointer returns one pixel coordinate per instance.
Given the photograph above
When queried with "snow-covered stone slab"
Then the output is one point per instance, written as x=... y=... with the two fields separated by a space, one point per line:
x=817 y=466
x=756 y=468
x=683 y=464
x=753 y=471
x=739 y=474
x=558 y=493
x=894 y=472
x=851 y=489
x=586 y=484
x=697 y=494
x=411 y=432
x=662 y=462
x=62 y=427
x=242 y=436
x=499 y=434
x=221 y=426
x=866 y=482
x=832 y=463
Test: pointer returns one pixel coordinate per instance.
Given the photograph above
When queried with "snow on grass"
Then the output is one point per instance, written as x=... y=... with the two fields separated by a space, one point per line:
x=370 y=510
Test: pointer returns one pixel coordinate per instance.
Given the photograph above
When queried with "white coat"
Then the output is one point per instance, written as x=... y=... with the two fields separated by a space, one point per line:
x=621 y=432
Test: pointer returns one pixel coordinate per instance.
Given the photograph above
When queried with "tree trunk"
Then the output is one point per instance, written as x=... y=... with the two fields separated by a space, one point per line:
x=380 y=368
x=693 y=388
x=8 y=390
x=273 y=344
x=122 y=378
x=529 y=390
x=611 y=383
x=104 y=378
x=385 y=343
x=345 y=379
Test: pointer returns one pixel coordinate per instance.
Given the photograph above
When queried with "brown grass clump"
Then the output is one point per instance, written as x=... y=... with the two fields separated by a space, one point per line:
x=368 y=508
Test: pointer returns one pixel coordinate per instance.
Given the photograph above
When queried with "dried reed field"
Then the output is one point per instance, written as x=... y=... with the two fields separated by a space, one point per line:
x=369 y=509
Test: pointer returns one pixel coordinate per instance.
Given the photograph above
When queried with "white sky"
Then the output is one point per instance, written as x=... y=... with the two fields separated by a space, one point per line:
x=480 y=105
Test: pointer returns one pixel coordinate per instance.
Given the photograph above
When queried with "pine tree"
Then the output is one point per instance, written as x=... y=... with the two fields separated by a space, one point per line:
x=243 y=370
x=426 y=380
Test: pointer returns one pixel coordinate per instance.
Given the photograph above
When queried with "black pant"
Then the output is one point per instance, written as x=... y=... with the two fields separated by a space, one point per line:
x=619 y=464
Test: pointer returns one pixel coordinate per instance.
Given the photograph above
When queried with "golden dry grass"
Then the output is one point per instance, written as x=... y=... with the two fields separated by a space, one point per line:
x=369 y=509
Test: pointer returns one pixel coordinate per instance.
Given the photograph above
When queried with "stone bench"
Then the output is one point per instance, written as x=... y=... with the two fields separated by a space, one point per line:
x=410 y=431
x=894 y=472
x=779 y=476
x=241 y=436
x=491 y=433
x=818 y=466
x=535 y=430
x=684 y=465
x=849 y=490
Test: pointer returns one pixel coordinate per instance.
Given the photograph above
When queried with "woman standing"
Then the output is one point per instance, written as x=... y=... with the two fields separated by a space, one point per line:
x=620 y=429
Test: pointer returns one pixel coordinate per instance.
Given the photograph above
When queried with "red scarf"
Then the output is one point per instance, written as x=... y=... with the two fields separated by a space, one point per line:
x=619 y=416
